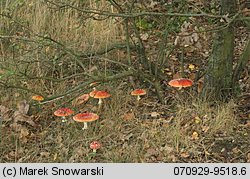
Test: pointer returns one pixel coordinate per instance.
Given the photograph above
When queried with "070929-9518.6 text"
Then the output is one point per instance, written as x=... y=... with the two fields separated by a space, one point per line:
x=209 y=170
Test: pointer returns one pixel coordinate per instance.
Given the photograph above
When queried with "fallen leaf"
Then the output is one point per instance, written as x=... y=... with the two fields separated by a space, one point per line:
x=195 y=136
x=12 y=154
x=200 y=86
x=16 y=127
x=47 y=49
x=59 y=139
x=235 y=150
x=3 y=109
x=197 y=119
x=246 y=11
x=144 y=36
x=191 y=66
x=2 y=72
x=6 y=113
x=151 y=152
x=91 y=69
x=248 y=157
x=185 y=155
x=177 y=40
x=205 y=128
x=185 y=38
x=154 y=114
x=195 y=37
x=167 y=149
x=24 y=132
x=55 y=156
x=173 y=158
x=18 y=116
x=44 y=154
x=247 y=124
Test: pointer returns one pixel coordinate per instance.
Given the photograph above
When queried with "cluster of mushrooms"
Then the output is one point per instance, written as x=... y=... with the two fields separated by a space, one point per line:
x=100 y=95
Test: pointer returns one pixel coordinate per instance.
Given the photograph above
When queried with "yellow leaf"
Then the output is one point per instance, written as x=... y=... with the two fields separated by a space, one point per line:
x=195 y=136
x=197 y=119
x=55 y=156
x=191 y=66
x=205 y=128
x=47 y=49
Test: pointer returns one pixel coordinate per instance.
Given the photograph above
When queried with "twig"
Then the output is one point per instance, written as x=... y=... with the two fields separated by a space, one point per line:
x=133 y=15
x=5 y=85
x=94 y=79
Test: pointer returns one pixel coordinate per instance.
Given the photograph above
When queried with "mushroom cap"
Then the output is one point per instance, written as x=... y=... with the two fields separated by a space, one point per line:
x=181 y=82
x=81 y=99
x=37 y=98
x=85 y=117
x=63 y=112
x=100 y=94
x=95 y=145
x=84 y=97
x=138 y=92
x=93 y=93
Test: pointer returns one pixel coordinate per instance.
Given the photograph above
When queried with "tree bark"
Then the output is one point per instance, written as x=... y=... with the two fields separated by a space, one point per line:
x=218 y=79
x=244 y=58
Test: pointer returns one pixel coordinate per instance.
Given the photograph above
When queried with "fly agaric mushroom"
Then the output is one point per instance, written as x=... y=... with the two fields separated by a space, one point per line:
x=63 y=112
x=95 y=145
x=92 y=93
x=85 y=118
x=138 y=93
x=99 y=95
x=81 y=99
x=181 y=83
x=37 y=98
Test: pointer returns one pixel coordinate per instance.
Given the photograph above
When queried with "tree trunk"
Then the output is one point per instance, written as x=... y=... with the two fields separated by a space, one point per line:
x=244 y=58
x=218 y=79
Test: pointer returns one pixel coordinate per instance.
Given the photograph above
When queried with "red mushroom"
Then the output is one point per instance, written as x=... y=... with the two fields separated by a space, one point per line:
x=37 y=98
x=85 y=118
x=81 y=99
x=99 y=95
x=63 y=112
x=138 y=93
x=92 y=93
x=95 y=145
x=181 y=83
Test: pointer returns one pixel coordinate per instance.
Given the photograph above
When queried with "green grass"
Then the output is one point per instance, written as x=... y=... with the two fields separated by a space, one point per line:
x=140 y=139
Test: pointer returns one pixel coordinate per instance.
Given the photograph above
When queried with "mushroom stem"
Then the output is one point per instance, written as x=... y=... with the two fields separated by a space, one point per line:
x=64 y=119
x=100 y=101
x=138 y=98
x=85 y=126
x=94 y=150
